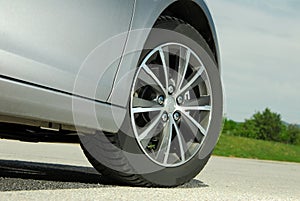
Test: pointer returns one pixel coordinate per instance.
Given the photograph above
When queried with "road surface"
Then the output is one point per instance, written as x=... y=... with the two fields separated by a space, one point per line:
x=61 y=172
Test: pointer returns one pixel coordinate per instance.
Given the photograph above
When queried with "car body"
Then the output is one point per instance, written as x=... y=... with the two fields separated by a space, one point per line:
x=47 y=50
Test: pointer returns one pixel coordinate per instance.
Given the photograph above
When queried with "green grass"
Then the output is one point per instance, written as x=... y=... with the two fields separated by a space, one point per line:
x=234 y=146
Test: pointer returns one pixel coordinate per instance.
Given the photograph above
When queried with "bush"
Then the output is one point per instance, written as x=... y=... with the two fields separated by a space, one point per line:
x=293 y=134
x=230 y=127
x=265 y=125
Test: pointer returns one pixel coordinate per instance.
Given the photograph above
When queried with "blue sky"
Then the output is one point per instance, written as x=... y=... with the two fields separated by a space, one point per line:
x=260 y=50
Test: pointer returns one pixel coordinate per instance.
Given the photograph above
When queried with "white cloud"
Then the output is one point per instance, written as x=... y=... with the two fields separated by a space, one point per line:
x=260 y=46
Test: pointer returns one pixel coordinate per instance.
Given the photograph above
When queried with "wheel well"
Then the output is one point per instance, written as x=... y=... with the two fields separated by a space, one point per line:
x=191 y=13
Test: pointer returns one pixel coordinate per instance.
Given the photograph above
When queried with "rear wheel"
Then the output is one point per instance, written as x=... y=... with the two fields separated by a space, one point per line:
x=174 y=113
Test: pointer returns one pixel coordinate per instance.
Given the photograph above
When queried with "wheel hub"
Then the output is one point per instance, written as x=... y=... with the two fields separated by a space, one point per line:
x=170 y=104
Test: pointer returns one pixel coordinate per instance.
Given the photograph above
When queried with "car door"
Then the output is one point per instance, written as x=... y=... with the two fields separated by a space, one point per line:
x=50 y=43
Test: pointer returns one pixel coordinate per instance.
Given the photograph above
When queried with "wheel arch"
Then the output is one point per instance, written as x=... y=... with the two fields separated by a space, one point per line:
x=197 y=15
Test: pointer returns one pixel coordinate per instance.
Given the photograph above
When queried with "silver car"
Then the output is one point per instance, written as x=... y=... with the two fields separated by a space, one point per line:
x=135 y=82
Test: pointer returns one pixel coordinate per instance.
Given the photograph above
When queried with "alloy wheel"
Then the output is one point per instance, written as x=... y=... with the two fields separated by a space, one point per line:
x=171 y=104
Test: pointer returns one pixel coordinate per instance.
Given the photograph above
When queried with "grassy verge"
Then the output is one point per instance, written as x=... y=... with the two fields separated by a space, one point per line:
x=250 y=148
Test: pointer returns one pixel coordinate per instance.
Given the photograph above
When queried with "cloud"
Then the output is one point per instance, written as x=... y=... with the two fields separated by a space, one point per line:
x=260 y=45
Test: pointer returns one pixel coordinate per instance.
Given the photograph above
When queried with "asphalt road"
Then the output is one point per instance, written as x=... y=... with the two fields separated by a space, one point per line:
x=61 y=172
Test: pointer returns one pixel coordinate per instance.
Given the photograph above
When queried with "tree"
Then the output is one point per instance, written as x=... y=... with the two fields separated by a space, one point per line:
x=264 y=126
x=249 y=129
x=293 y=133
x=230 y=127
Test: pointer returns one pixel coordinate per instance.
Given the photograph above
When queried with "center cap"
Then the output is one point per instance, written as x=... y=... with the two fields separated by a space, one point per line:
x=170 y=104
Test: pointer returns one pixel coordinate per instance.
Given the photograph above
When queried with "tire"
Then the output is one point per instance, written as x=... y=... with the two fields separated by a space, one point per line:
x=172 y=124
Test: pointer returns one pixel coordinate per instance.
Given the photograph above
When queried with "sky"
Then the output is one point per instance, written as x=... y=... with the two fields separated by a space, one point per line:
x=260 y=54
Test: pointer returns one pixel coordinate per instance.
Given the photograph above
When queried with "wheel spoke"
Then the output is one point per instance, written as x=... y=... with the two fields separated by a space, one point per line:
x=197 y=108
x=182 y=144
x=139 y=102
x=146 y=80
x=195 y=123
x=147 y=134
x=165 y=144
x=154 y=77
x=202 y=100
x=165 y=67
x=146 y=109
x=166 y=60
x=182 y=68
x=194 y=78
x=191 y=129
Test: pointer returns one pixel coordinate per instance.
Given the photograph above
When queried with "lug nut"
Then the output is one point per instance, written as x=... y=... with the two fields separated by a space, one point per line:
x=176 y=116
x=161 y=100
x=164 y=117
x=171 y=89
x=179 y=100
